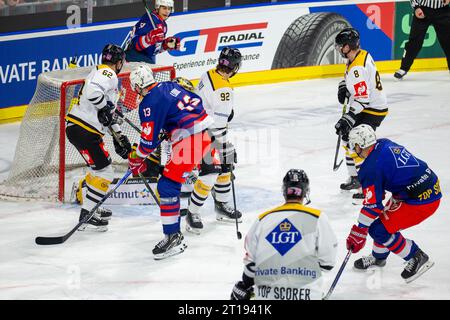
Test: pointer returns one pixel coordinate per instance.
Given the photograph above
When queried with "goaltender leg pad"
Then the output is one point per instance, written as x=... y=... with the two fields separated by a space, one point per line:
x=169 y=192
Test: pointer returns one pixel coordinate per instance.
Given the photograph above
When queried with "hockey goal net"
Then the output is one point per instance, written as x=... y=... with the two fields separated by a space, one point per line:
x=45 y=162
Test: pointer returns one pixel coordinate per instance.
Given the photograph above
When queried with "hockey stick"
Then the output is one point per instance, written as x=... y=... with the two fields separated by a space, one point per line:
x=149 y=189
x=238 y=234
x=135 y=127
x=338 y=144
x=149 y=13
x=62 y=239
x=338 y=275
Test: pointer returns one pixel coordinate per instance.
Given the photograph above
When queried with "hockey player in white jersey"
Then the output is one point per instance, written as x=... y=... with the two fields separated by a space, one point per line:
x=367 y=102
x=215 y=171
x=87 y=122
x=287 y=248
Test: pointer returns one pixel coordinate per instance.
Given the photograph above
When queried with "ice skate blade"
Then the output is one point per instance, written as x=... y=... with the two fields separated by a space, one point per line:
x=228 y=220
x=193 y=230
x=421 y=271
x=172 y=252
x=90 y=228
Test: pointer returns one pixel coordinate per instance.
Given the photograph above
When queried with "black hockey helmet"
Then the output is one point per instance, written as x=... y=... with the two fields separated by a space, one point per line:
x=348 y=36
x=185 y=83
x=296 y=185
x=112 y=54
x=230 y=60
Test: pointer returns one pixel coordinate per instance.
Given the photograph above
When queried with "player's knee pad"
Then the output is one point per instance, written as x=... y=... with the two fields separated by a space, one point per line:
x=100 y=179
x=106 y=173
x=168 y=188
x=378 y=232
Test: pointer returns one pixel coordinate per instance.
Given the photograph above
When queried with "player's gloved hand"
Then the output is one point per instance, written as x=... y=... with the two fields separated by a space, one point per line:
x=154 y=36
x=345 y=124
x=241 y=291
x=136 y=163
x=106 y=114
x=357 y=238
x=123 y=146
x=163 y=135
x=343 y=92
x=171 y=43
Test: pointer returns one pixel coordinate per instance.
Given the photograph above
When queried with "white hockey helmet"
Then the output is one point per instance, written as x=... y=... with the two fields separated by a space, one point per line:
x=142 y=77
x=166 y=3
x=363 y=136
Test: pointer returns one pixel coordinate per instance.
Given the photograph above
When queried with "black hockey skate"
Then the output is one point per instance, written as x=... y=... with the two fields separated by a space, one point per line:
x=364 y=263
x=171 y=245
x=225 y=212
x=96 y=223
x=105 y=214
x=193 y=222
x=416 y=266
x=351 y=184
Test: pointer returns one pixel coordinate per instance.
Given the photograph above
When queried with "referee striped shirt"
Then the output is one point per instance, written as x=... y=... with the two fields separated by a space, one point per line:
x=433 y=4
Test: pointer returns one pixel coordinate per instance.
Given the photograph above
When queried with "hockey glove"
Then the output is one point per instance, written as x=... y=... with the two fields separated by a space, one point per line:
x=357 y=238
x=105 y=114
x=136 y=163
x=123 y=146
x=343 y=92
x=154 y=36
x=345 y=124
x=171 y=43
x=241 y=291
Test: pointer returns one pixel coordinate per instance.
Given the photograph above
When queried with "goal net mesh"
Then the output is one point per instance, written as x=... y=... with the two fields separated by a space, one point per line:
x=45 y=162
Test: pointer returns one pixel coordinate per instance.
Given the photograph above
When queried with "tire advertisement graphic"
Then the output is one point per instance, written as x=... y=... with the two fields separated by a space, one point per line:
x=309 y=41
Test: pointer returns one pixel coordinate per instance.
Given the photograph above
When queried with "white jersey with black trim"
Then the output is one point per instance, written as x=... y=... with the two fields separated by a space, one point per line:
x=286 y=250
x=99 y=87
x=365 y=87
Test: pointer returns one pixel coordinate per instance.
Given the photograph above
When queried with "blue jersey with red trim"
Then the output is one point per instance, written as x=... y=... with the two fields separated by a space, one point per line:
x=390 y=167
x=144 y=26
x=170 y=107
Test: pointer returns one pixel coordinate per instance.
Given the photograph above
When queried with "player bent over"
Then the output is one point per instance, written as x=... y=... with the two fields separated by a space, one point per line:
x=366 y=99
x=215 y=175
x=87 y=122
x=416 y=194
x=287 y=248
x=168 y=106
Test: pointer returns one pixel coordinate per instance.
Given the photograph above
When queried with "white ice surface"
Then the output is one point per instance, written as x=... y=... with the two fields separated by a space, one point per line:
x=300 y=117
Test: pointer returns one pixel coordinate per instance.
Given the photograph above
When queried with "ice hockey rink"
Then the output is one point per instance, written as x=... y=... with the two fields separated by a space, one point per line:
x=277 y=127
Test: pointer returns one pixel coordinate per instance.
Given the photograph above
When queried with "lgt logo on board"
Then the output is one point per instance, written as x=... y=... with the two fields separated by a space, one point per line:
x=239 y=36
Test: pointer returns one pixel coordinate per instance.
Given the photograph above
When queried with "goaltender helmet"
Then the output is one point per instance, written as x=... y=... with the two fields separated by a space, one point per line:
x=185 y=83
x=142 y=77
x=230 y=60
x=363 y=136
x=112 y=54
x=348 y=36
x=166 y=3
x=296 y=185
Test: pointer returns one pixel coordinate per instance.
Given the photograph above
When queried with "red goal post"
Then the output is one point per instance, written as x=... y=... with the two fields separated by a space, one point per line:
x=44 y=161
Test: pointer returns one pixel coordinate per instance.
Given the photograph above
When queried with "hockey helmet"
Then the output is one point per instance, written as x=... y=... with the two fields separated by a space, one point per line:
x=363 y=136
x=142 y=77
x=347 y=36
x=166 y=3
x=185 y=83
x=230 y=59
x=296 y=185
x=112 y=54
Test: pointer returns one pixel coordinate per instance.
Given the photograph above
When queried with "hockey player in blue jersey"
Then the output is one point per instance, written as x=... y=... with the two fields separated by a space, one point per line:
x=148 y=37
x=416 y=196
x=170 y=107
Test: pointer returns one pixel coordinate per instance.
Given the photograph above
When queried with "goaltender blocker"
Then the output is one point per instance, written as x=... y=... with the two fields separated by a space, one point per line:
x=87 y=123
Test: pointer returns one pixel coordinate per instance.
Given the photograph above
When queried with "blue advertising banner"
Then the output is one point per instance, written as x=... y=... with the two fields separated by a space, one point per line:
x=22 y=60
